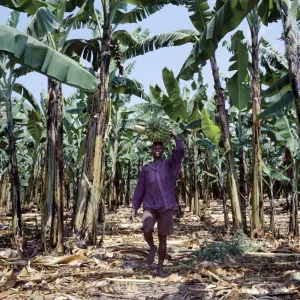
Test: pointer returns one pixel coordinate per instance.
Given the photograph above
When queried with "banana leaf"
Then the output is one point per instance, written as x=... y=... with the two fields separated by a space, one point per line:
x=42 y=23
x=227 y=18
x=268 y=11
x=201 y=14
x=279 y=102
x=43 y=59
x=209 y=128
x=135 y=48
x=155 y=2
x=173 y=105
x=135 y=15
x=283 y=84
x=239 y=92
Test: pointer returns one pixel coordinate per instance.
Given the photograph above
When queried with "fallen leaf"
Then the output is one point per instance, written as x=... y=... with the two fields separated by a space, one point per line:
x=234 y=294
x=174 y=278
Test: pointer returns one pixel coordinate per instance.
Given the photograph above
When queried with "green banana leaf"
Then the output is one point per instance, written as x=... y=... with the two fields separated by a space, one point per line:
x=194 y=120
x=27 y=6
x=268 y=11
x=283 y=84
x=274 y=174
x=284 y=129
x=227 y=18
x=279 y=102
x=135 y=48
x=128 y=86
x=273 y=56
x=201 y=14
x=21 y=90
x=173 y=105
x=32 y=53
x=155 y=2
x=135 y=15
x=209 y=128
x=42 y=23
x=239 y=92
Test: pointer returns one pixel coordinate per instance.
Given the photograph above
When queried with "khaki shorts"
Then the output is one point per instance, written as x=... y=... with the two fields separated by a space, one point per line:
x=164 y=221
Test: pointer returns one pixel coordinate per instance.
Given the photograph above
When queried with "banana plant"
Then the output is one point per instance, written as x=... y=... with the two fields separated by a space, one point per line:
x=212 y=26
x=273 y=175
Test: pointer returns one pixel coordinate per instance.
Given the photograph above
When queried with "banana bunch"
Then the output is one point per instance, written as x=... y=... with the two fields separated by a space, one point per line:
x=115 y=52
x=157 y=130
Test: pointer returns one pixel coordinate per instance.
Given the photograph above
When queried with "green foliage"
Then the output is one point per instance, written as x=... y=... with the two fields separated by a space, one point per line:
x=201 y=13
x=227 y=18
x=29 y=51
x=238 y=90
x=211 y=131
x=234 y=246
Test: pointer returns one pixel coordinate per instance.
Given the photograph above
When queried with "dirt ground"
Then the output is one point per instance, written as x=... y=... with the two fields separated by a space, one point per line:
x=117 y=269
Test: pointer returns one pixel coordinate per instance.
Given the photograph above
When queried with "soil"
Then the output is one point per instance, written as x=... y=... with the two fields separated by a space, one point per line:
x=117 y=268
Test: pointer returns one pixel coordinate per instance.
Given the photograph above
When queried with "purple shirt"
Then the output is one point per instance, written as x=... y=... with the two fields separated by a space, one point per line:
x=157 y=182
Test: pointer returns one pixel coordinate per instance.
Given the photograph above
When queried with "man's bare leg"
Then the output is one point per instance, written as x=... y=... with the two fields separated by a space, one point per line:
x=161 y=254
x=148 y=236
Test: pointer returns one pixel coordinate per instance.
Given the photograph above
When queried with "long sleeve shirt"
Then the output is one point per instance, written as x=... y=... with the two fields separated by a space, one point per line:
x=157 y=182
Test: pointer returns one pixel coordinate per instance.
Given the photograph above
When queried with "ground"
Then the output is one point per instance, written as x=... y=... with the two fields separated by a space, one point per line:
x=117 y=269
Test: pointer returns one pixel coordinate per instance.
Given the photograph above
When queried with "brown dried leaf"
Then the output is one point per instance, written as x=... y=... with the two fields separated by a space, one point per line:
x=235 y=294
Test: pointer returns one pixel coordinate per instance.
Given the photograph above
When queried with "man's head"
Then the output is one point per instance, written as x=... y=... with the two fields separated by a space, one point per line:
x=157 y=149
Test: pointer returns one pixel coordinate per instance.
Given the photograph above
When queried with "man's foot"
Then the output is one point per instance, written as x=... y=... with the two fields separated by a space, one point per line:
x=161 y=274
x=151 y=255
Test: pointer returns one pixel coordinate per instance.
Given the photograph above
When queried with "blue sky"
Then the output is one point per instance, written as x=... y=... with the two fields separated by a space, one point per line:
x=148 y=68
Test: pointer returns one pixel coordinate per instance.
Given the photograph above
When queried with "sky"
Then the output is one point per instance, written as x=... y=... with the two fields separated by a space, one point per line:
x=148 y=68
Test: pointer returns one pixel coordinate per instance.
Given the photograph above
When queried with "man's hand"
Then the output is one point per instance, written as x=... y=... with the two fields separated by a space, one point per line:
x=132 y=215
x=172 y=132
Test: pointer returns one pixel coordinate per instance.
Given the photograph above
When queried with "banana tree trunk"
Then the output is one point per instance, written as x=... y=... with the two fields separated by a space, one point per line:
x=272 y=207
x=127 y=195
x=112 y=190
x=14 y=172
x=31 y=180
x=195 y=169
x=206 y=181
x=257 y=224
x=231 y=171
x=222 y=191
x=292 y=51
x=294 y=222
x=54 y=181
x=86 y=216
x=3 y=190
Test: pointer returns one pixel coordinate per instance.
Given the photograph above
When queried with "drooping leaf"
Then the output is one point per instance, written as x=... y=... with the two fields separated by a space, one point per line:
x=29 y=51
x=279 y=102
x=20 y=89
x=27 y=6
x=283 y=84
x=275 y=174
x=238 y=90
x=42 y=23
x=155 y=2
x=201 y=13
x=227 y=18
x=13 y=19
x=135 y=15
x=273 y=56
x=268 y=11
x=128 y=86
x=175 y=38
x=209 y=128
x=284 y=129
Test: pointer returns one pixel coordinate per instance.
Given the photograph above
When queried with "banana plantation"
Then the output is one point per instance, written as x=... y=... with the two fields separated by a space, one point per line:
x=69 y=164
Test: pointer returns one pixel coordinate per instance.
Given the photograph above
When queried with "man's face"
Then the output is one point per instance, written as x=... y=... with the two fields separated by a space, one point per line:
x=157 y=150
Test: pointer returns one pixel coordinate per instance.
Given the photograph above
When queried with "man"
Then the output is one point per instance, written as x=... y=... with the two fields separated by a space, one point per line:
x=155 y=188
